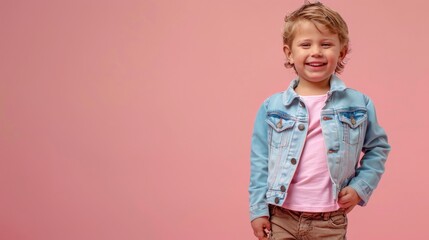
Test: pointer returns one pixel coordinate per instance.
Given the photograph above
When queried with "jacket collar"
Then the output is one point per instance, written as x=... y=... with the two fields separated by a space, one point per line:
x=336 y=84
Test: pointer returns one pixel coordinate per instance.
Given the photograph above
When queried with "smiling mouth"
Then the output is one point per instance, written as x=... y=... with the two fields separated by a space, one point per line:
x=316 y=64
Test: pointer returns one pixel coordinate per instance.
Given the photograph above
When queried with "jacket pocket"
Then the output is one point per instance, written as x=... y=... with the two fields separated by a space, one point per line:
x=353 y=125
x=280 y=129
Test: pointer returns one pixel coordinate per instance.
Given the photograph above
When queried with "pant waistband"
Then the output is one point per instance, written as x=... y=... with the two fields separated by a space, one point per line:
x=313 y=215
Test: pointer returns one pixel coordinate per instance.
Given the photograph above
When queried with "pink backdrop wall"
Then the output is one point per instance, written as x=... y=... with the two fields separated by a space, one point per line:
x=132 y=119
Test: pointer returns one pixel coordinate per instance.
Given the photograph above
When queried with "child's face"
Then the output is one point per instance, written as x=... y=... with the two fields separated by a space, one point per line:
x=315 y=52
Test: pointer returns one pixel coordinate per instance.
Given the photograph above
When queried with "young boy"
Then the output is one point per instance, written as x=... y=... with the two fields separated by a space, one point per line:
x=305 y=169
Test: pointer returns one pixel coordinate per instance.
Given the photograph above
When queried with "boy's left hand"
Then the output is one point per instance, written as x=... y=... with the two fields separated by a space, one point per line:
x=348 y=199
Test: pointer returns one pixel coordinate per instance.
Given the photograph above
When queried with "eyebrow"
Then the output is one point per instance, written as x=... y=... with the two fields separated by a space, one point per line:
x=310 y=40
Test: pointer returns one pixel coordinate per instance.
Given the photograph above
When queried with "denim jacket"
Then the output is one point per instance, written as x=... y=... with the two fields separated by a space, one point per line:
x=349 y=127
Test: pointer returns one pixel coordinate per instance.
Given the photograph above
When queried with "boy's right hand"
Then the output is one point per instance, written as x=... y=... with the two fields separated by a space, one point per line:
x=260 y=225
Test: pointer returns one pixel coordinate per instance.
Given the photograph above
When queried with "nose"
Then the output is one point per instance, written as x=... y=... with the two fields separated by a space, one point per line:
x=316 y=51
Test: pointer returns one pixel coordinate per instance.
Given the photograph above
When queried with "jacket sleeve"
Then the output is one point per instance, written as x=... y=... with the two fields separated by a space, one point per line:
x=375 y=149
x=259 y=166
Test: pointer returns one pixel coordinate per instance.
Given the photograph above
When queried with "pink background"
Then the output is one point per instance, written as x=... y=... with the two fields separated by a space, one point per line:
x=132 y=119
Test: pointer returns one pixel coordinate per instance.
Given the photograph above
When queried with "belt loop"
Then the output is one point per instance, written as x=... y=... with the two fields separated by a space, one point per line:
x=273 y=209
x=326 y=216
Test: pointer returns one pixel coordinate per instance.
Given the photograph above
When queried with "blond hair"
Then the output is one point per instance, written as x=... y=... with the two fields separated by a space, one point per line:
x=317 y=13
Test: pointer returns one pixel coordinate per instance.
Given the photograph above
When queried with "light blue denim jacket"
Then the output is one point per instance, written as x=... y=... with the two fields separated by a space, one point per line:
x=349 y=127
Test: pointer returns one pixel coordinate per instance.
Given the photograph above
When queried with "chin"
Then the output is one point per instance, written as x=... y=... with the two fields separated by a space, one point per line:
x=316 y=79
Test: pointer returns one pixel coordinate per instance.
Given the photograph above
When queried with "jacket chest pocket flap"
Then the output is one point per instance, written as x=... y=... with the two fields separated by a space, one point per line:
x=353 y=123
x=279 y=131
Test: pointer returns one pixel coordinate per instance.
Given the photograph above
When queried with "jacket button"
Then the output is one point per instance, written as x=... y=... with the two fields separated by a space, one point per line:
x=301 y=127
x=353 y=120
x=277 y=200
x=283 y=188
x=293 y=161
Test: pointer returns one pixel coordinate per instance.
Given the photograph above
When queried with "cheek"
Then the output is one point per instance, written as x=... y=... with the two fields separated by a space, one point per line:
x=297 y=57
x=335 y=57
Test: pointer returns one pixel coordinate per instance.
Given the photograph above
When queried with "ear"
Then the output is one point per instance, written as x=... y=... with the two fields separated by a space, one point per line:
x=343 y=52
x=288 y=53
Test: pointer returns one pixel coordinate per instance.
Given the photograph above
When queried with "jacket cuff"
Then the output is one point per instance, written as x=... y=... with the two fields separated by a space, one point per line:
x=363 y=190
x=260 y=210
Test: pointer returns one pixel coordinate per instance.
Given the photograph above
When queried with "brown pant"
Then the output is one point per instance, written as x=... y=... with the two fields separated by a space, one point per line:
x=287 y=224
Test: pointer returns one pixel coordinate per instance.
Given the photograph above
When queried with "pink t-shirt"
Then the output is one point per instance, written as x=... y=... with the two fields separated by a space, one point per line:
x=311 y=186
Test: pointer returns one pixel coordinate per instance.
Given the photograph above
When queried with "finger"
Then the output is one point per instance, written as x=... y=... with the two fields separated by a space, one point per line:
x=267 y=232
x=349 y=209
x=346 y=196
x=259 y=233
x=344 y=191
x=345 y=206
x=345 y=202
x=268 y=226
x=345 y=199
